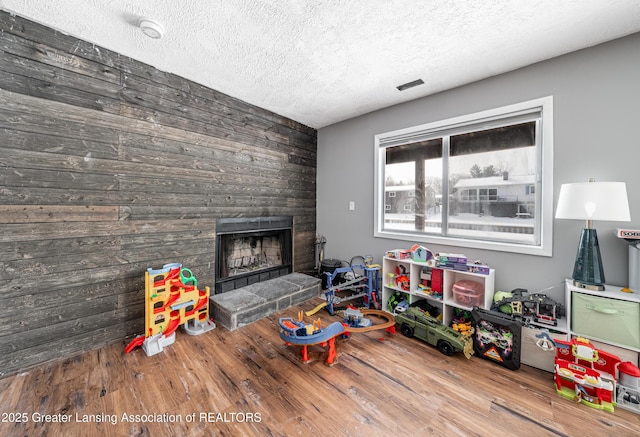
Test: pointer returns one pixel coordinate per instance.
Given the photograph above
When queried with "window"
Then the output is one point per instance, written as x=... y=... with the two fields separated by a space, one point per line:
x=483 y=180
x=469 y=195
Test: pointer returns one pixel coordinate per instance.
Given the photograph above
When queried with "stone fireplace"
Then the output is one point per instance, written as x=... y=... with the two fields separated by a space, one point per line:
x=251 y=250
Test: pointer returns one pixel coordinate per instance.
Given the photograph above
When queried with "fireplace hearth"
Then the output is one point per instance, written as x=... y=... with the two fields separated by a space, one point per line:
x=251 y=250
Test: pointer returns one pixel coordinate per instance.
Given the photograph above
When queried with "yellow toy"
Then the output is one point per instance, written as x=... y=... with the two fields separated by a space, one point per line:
x=172 y=299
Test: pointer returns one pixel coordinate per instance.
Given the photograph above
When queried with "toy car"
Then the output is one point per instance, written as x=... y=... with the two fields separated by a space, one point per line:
x=416 y=323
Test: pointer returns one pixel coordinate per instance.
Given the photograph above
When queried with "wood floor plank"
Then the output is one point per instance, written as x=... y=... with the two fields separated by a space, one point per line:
x=249 y=383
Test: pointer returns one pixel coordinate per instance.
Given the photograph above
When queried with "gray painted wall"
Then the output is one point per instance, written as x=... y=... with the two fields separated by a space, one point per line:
x=596 y=95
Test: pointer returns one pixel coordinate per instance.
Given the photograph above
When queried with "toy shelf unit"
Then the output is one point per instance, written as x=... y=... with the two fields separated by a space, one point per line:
x=465 y=290
x=401 y=276
x=447 y=290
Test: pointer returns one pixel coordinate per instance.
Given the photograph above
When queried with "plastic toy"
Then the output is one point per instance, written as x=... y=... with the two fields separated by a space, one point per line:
x=399 y=254
x=628 y=394
x=461 y=321
x=416 y=323
x=468 y=293
x=427 y=284
x=355 y=319
x=421 y=253
x=397 y=302
x=431 y=310
x=545 y=342
x=171 y=300
x=297 y=332
x=366 y=285
x=537 y=306
x=595 y=377
x=585 y=374
x=402 y=280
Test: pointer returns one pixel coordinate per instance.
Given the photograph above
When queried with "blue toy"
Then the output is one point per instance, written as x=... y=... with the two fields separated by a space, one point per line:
x=367 y=286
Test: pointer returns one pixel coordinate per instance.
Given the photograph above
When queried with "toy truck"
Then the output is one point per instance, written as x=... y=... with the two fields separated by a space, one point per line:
x=416 y=323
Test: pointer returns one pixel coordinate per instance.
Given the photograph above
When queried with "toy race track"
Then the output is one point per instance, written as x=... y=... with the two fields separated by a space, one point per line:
x=296 y=332
x=390 y=321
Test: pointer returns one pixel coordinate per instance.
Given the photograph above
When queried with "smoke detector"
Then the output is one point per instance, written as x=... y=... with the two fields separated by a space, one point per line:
x=151 y=28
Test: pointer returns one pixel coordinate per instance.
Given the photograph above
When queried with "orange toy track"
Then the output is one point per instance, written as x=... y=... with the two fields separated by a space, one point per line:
x=328 y=335
x=391 y=321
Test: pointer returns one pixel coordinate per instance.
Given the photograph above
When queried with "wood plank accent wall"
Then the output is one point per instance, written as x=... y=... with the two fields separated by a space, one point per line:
x=109 y=166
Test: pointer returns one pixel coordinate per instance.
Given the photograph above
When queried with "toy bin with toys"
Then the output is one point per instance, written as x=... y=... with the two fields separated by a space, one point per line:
x=468 y=293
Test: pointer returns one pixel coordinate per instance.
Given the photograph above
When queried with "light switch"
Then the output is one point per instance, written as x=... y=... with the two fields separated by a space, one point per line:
x=352 y=205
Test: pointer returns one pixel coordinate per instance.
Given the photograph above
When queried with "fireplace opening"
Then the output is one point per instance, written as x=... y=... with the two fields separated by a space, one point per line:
x=250 y=250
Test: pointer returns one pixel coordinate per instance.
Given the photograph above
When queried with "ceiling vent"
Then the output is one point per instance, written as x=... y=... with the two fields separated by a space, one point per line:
x=410 y=84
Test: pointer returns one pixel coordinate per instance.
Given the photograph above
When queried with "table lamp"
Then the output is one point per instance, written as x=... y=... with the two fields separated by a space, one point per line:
x=592 y=201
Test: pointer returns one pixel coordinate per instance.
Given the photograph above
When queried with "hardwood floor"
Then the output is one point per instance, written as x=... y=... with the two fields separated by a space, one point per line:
x=247 y=382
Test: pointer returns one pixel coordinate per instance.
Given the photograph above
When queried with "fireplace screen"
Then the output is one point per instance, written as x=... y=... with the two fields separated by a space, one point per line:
x=246 y=254
x=251 y=250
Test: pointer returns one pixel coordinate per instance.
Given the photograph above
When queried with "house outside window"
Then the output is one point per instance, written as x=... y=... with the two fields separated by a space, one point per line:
x=483 y=180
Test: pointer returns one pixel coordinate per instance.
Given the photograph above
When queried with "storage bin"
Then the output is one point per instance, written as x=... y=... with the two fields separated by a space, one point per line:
x=329 y=265
x=468 y=293
x=534 y=355
x=607 y=319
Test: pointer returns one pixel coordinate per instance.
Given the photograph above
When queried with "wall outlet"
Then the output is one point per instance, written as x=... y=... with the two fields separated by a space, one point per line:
x=352 y=205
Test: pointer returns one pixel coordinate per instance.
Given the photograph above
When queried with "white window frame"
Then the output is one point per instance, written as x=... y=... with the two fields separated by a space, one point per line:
x=544 y=176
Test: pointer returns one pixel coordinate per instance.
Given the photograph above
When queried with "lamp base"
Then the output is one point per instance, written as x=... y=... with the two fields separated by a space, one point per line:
x=592 y=287
x=588 y=272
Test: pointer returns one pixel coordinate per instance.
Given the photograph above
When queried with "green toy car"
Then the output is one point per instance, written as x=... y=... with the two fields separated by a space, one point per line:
x=416 y=323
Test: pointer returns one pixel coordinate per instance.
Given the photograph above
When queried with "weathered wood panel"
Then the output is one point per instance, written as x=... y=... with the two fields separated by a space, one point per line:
x=56 y=213
x=108 y=167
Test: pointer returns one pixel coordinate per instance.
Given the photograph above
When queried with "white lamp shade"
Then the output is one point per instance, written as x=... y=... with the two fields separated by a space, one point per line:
x=594 y=201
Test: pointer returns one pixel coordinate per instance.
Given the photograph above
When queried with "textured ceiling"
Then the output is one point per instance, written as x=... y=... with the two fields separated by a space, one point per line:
x=323 y=61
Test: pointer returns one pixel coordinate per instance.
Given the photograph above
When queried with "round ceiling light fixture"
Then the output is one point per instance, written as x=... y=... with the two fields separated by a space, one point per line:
x=151 y=28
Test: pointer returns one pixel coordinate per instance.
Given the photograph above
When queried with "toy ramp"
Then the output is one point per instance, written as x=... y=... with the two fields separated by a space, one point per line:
x=323 y=336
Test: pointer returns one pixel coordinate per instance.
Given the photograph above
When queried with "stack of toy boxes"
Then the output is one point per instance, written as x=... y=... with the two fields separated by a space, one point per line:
x=459 y=262
x=478 y=268
x=399 y=254
x=451 y=261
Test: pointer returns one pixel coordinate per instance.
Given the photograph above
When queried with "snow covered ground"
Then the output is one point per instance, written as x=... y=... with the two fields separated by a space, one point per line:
x=498 y=228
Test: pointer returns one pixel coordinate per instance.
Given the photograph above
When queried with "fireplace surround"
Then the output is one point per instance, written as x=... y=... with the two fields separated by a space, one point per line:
x=251 y=250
